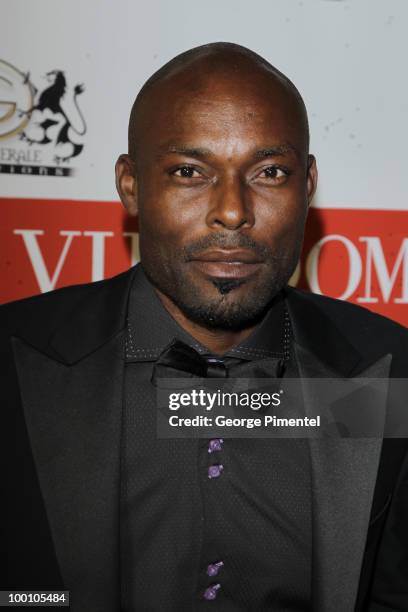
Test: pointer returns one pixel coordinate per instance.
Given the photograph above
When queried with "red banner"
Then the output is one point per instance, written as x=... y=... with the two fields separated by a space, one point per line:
x=357 y=255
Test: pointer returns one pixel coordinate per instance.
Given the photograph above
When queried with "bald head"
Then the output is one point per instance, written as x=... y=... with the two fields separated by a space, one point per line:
x=236 y=69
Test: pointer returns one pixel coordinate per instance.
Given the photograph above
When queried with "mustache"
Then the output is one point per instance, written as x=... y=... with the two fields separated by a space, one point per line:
x=226 y=241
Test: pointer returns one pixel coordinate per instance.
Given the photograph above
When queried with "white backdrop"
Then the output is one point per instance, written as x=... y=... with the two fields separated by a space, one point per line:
x=347 y=57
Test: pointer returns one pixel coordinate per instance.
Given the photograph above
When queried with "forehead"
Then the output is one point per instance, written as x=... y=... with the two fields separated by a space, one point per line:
x=226 y=112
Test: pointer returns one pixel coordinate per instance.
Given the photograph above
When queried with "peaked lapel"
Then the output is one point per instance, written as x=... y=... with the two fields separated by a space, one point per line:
x=344 y=470
x=71 y=391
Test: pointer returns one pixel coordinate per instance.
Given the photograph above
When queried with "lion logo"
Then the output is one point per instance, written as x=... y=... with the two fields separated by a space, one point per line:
x=50 y=122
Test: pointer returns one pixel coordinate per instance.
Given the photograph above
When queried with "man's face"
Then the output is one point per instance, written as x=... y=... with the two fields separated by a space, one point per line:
x=223 y=186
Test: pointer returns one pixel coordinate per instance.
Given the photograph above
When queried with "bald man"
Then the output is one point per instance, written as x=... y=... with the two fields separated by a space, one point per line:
x=219 y=176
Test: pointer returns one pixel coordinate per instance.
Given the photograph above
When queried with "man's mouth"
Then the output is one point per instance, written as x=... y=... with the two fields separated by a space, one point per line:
x=227 y=263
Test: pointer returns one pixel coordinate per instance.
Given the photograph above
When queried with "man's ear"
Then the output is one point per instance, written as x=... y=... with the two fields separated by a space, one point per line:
x=311 y=178
x=126 y=183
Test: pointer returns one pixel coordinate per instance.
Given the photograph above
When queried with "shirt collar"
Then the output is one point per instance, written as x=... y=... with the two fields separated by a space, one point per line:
x=151 y=328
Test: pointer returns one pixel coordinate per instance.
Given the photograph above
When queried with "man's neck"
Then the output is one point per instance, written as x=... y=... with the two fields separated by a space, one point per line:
x=218 y=341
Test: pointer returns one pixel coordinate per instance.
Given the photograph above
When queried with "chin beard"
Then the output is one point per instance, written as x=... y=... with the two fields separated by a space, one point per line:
x=226 y=285
x=221 y=312
x=220 y=315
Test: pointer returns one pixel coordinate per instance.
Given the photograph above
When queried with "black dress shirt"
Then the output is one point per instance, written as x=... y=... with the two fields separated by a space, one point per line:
x=240 y=540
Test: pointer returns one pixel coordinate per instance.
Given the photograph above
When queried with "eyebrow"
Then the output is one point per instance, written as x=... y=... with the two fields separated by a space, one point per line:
x=275 y=151
x=201 y=152
x=186 y=150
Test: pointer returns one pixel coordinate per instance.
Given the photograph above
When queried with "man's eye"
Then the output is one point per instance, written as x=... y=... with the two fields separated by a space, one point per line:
x=273 y=172
x=186 y=172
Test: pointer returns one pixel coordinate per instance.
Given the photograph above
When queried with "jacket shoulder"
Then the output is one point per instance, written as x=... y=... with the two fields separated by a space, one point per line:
x=354 y=321
x=48 y=306
x=47 y=310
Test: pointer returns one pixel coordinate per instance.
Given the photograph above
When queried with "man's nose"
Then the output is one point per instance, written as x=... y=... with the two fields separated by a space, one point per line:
x=230 y=206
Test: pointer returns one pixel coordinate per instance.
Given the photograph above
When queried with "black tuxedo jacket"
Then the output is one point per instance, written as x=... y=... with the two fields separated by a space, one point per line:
x=62 y=373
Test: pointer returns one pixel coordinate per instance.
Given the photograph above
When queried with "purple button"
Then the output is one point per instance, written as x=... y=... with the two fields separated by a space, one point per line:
x=211 y=592
x=214 y=568
x=215 y=445
x=214 y=471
